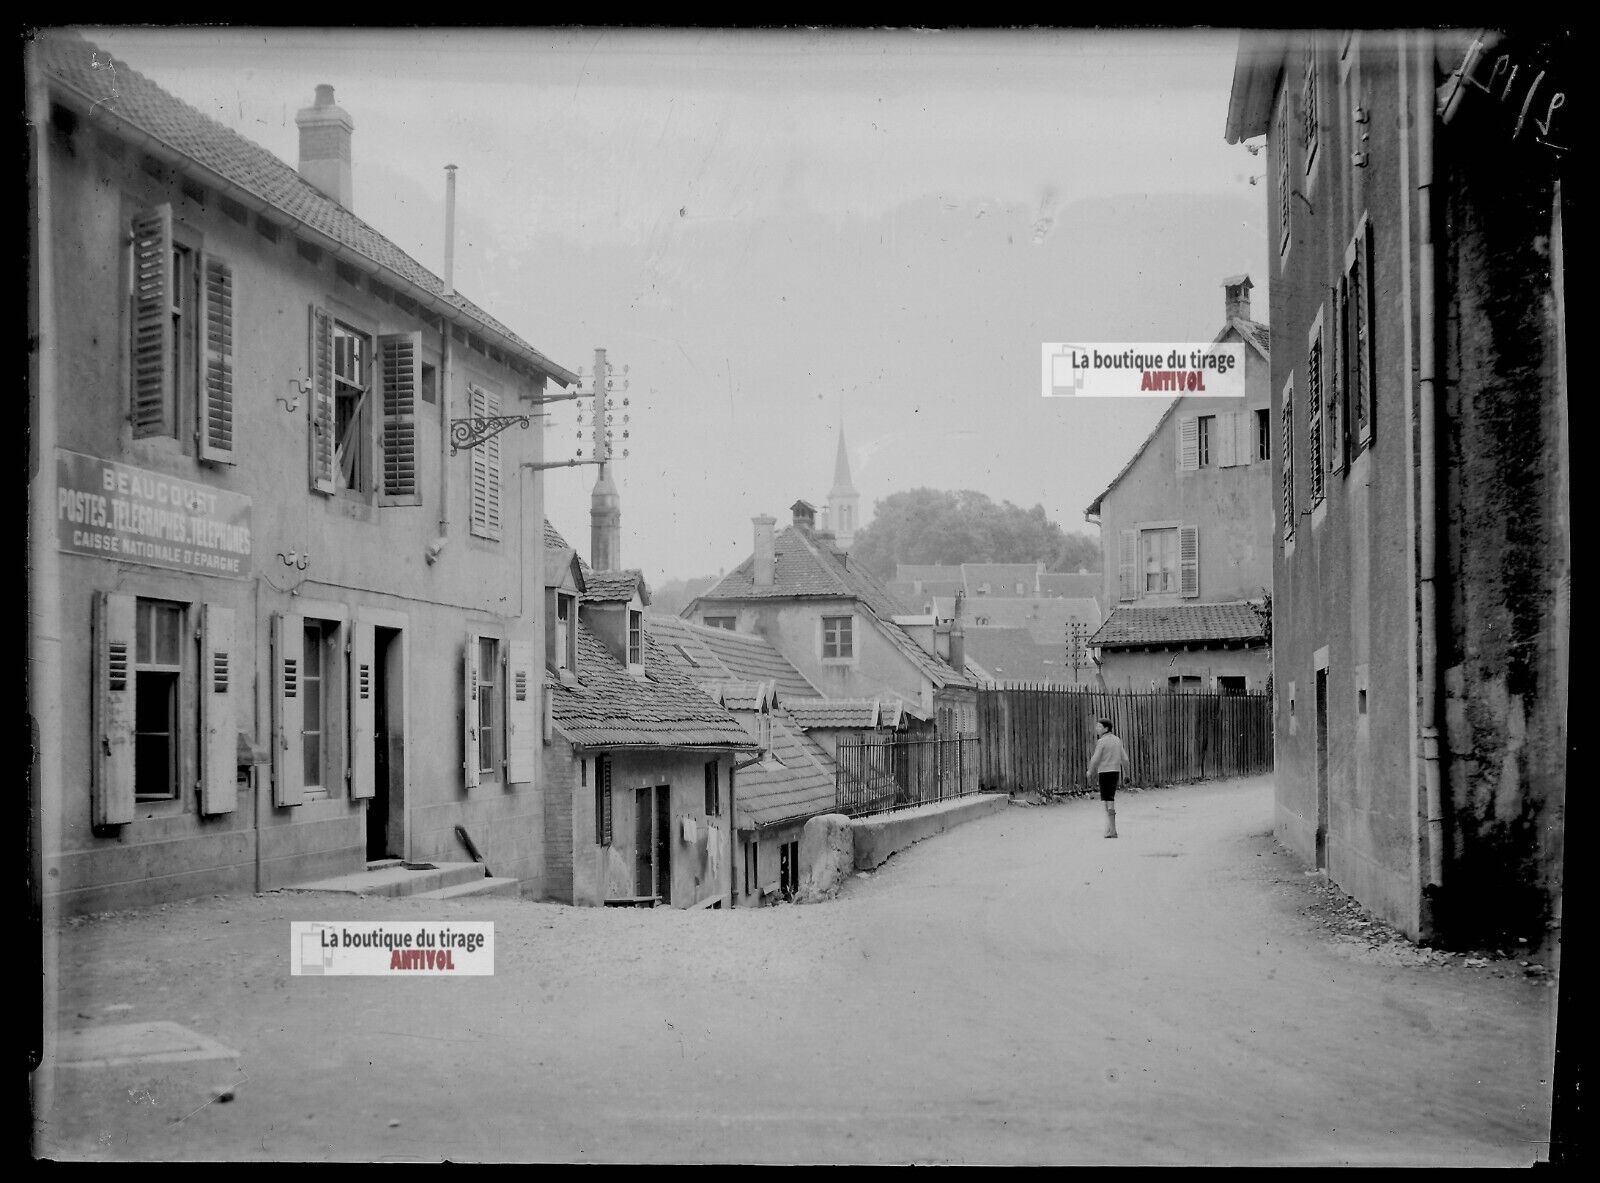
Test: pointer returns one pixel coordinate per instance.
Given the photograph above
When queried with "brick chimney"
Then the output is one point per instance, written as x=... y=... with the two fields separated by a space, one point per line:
x=766 y=558
x=325 y=145
x=1236 y=297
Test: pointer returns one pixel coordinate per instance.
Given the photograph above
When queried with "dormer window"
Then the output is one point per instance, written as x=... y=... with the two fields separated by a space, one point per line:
x=635 y=638
x=566 y=637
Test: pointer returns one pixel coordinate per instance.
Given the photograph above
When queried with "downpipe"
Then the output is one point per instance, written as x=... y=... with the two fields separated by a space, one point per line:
x=1428 y=474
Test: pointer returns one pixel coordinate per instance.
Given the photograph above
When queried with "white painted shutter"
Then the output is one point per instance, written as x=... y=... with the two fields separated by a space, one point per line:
x=1128 y=564
x=485 y=517
x=1189 y=560
x=362 y=718
x=401 y=355
x=216 y=386
x=1244 y=444
x=320 y=409
x=469 y=712
x=1188 y=443
x=288 y=724
x=152 y=347
x=522 y=713
x=113 y=628
x=1224 y=444
x=219 y=730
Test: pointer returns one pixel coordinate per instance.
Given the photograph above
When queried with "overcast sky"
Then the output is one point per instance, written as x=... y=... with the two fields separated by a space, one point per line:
x=777 y=231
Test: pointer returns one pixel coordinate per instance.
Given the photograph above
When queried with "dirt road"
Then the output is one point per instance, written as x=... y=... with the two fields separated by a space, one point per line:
x=1019 y=990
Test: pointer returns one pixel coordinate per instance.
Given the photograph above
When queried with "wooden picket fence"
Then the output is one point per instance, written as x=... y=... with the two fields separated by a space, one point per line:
x=1038 y=738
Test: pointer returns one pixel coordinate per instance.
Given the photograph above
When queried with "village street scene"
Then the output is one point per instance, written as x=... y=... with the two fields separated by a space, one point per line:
x=840 y=596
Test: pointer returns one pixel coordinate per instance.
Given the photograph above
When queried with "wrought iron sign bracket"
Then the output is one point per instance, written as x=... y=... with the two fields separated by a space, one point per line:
x=479 y=429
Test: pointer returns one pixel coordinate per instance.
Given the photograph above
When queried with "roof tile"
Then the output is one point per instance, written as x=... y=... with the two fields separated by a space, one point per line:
x=1181 y=624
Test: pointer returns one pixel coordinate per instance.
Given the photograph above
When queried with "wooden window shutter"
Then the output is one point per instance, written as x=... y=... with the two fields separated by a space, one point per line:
x=469 y=712
x=1188 y=443
x=485 y=517
x=1128 y=565
x=1244 y=445
x=602 y=790
x=363 y=710
x=521 y=713
x=1365 y=374
x=320 y=409
x=151 y=352
x=288 y=722
x=113 y=634
x=1189 y=560
x=219 y=694
x=1314 y=461
x=1336 y=381
x=401 y=357
x=1287 y=461
x=216 y=387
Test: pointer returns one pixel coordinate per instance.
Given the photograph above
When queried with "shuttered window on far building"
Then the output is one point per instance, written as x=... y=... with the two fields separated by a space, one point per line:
x=1314 y=416
x=1287 y=415
x=400 y=359
x=485 y=517
x=216 y=428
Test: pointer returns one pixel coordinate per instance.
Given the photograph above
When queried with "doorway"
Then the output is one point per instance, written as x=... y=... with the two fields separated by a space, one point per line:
x=386 y=808
x=1322 y=769
x=652 y=843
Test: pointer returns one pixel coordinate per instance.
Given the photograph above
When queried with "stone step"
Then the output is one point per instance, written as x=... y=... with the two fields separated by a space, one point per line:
x=506 y=888
x=379 y=864
x=396 y=880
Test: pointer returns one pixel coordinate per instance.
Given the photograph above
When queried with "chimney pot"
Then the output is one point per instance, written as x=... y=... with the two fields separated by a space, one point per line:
x=1236 y=297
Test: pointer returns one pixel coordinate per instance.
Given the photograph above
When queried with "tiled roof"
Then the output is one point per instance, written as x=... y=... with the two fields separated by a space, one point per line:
x=609 y=707
x=1253 y=333
x=1181 y=624
x=737 y=655
x=1045 y=617
x=1013 y=655
x=612 y=585
x=740 y=696
x=1001 y=577
x=803 y=788
x=115 y=89
x=1072 y=584
x=910 y=572
x=804 y=568
x=833 y=712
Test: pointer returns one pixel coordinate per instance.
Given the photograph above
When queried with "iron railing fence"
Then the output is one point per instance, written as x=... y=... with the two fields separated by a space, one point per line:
x=880 y=773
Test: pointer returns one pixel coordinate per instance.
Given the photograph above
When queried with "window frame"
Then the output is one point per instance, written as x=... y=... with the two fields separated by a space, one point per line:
x=333 y=723
x=360 y=422
x=713 y=802
x=1146 y=531
x=635 y=639
x=1203 y=432
x=1263 y=418
x=718 y=622
x=174 y=675
x=491 y=701
x=843 y=641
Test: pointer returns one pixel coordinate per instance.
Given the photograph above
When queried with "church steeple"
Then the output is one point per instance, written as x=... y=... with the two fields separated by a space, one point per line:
x=843 y=500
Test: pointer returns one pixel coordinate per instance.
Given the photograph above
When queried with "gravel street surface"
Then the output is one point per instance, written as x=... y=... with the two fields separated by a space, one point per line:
x=1018 y=990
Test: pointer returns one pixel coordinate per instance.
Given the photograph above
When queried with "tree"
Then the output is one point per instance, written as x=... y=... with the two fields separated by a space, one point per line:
x=673 y=596
x=935 y=526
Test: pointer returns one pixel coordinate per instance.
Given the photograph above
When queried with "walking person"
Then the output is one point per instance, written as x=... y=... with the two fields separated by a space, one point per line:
x=1108 y=761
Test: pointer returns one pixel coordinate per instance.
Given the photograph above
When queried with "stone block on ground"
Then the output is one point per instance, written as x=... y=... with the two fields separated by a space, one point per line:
x=827 y=856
